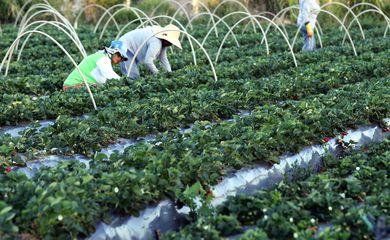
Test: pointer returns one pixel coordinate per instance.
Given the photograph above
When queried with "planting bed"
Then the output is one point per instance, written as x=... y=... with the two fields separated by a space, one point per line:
x=171 y=137
x=348 y=199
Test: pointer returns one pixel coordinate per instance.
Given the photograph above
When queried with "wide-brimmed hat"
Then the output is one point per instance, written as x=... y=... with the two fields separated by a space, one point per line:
x=171 y=33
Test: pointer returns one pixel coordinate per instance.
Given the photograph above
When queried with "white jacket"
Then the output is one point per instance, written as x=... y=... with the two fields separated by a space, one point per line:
x=151 y=51
x=308 y=12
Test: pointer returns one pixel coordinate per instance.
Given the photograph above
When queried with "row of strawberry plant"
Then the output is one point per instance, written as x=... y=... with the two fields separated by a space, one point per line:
x=185 y=106
x=69 y=135
x=58 y=69
x=19 y=107
x=349 y=198
x=70 y=198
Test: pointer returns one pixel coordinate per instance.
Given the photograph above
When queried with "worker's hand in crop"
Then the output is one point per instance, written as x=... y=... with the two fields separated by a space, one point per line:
x=309 y=30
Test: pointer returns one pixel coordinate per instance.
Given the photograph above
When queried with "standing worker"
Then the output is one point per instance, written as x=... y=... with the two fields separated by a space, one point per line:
x=307 y=18
x=97 y=68
x=157 y=42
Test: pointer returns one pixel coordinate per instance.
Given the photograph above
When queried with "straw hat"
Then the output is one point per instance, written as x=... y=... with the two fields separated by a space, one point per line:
x=172 y=34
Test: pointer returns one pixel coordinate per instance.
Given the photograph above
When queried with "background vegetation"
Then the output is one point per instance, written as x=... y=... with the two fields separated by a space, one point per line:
x=10 y=8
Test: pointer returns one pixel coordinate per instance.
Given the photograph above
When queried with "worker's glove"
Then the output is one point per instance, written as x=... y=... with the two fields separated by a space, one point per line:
x=309 y=30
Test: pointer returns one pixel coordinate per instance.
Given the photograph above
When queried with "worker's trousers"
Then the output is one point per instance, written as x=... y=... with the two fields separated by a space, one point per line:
x=133 y=73
x=309 y=44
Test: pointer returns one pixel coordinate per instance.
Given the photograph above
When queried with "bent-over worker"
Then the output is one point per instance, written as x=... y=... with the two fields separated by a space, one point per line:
x=307 y=18
x=157 y=40
x=97 y=68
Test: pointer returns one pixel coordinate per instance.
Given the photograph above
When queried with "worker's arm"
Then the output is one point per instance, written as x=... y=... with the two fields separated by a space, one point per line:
x=105 y=67
x=164 y=60
x=154 y=48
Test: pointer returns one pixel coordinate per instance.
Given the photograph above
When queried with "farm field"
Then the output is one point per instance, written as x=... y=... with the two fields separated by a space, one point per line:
x=176 y=135
x=347 y=200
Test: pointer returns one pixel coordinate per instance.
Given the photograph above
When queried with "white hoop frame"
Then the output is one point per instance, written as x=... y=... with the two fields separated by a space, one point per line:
x=231 y=30
x=349 y=11
x=236 y=2
x=75 y=24
x=214 y=25
x=42 y=23
x=268 y=20
x=223 y=18
x=22 y=9
x=202 y=5
x=177 y=4
x=122 y=6
x=113 y=15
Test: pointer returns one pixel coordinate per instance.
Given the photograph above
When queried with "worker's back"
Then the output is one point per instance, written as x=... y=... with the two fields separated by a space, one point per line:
x=134 y=39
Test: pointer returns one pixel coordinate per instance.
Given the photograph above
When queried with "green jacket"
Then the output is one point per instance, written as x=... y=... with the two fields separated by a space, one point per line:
x=86 y=66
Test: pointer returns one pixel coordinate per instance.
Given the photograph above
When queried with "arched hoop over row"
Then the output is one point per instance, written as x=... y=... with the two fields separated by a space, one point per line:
x=22 y=9
x=58 y=25
x=75 y=24
x=42 y=9
x=181 y=26
x=183 y=32
x=61 y=47
x=235 y=2
x=136 y=11
x=349 y=12
x=180 y=7
x=262 y=14
x=363 y=4
x=231 y=31
x=268 y=20
x=46 y=9
x=222 y=19
x=190 y=20
x=139 y=18
x=370 y=11
x=214 y=25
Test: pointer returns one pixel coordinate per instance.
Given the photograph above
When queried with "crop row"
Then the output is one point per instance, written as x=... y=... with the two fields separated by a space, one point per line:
x=69 y=135
x=70 y=198
x=247 y=71
x=349 y=199
x=35 y=77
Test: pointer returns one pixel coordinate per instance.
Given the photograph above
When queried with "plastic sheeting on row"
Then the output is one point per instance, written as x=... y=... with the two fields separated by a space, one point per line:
x=165 y=216
x=49 y=161
x=120 y=145
x=160 y=218
x=15 y=131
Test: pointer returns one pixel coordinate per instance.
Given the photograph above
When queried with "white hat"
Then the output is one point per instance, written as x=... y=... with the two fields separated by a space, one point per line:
x=171 y=34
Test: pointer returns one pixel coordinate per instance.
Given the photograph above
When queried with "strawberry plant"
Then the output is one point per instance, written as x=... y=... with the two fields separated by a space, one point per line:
x=343 y=202
x=290 y=108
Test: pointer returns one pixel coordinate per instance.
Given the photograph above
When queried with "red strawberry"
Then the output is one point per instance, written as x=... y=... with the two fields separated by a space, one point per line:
x=8 y=169
x=344 y=134
x=326 y=139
